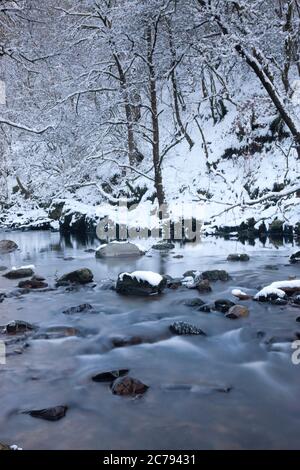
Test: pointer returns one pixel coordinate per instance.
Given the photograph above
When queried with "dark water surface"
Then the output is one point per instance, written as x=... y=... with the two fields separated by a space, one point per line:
x=183 y=408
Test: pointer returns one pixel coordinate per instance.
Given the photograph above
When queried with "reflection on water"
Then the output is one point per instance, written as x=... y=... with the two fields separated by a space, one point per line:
x=186 y=405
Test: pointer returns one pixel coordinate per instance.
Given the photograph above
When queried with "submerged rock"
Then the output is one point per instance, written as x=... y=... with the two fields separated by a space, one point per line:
x=18 y=326
x=90 y=250
x=78 y=309
x=80 y=276
x=205 y=308
x=57 y=332
x=237 y=311
x=32 y=284
x=295 y=258
x=223 y=305
x=216 y=275
x=49 y=414
x=183 y=328
x=140 y=283
x=128 y=386
x=118 y=249
x=17 y=293
x=191 y=273
x=174 y=283
x=296 y=300
x=19 y=273
x=204 y=286
x=7 y=246
x=163 y=246
x=110 y=376
x=238 y=257
x=271 y=267
x=3 y=268
x=195 y=302
x=121 y=342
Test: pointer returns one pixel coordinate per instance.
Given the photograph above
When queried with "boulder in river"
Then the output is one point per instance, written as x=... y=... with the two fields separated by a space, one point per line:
x=128 y=386
x=278 y=290
x=163 y=245
x=295 y=258
x=49 y=414
x=19 y=273
x=223 y=305
x=194 y=302
x=140 y=283
x=296 y=300
x=32 y=284
x=124 y=341
x=216 y=275
x=7 y=246
x=240 y=294
x=80 y=276
x=110 y=376
x=238 y=257
x=183 y=328
x=82 y=308
x=174 y=283
x=237 y=311
x=204 y=286
x=205 y=308
x=118 y=250
x=57 y=332
x=18 y=326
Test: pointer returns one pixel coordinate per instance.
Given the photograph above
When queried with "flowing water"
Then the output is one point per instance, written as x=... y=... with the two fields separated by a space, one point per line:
x=188 y=405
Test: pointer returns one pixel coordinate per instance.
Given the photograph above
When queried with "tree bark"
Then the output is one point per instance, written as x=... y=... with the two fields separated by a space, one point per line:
x=182 y=128
x=155 y=123
x=128 y=112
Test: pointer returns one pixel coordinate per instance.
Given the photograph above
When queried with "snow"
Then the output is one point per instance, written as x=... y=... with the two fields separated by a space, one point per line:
x=198 y=184
x=154 y=279
x=188 y=281
x=238 y=292
x=15 y=447
x=276 y=288
x=29 y=266
x=269 y=290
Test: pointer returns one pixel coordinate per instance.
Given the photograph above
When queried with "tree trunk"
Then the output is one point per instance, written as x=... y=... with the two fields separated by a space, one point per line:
x=182 y=129
x=128 y=112
x=155 y=124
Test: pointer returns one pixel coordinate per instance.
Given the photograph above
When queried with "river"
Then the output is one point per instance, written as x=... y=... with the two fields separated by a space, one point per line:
x=234 y=389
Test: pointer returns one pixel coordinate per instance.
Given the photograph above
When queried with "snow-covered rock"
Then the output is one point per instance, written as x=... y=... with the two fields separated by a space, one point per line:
x=118 y=249
x=240 y=294
x=140 y=283
x=278 y=289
